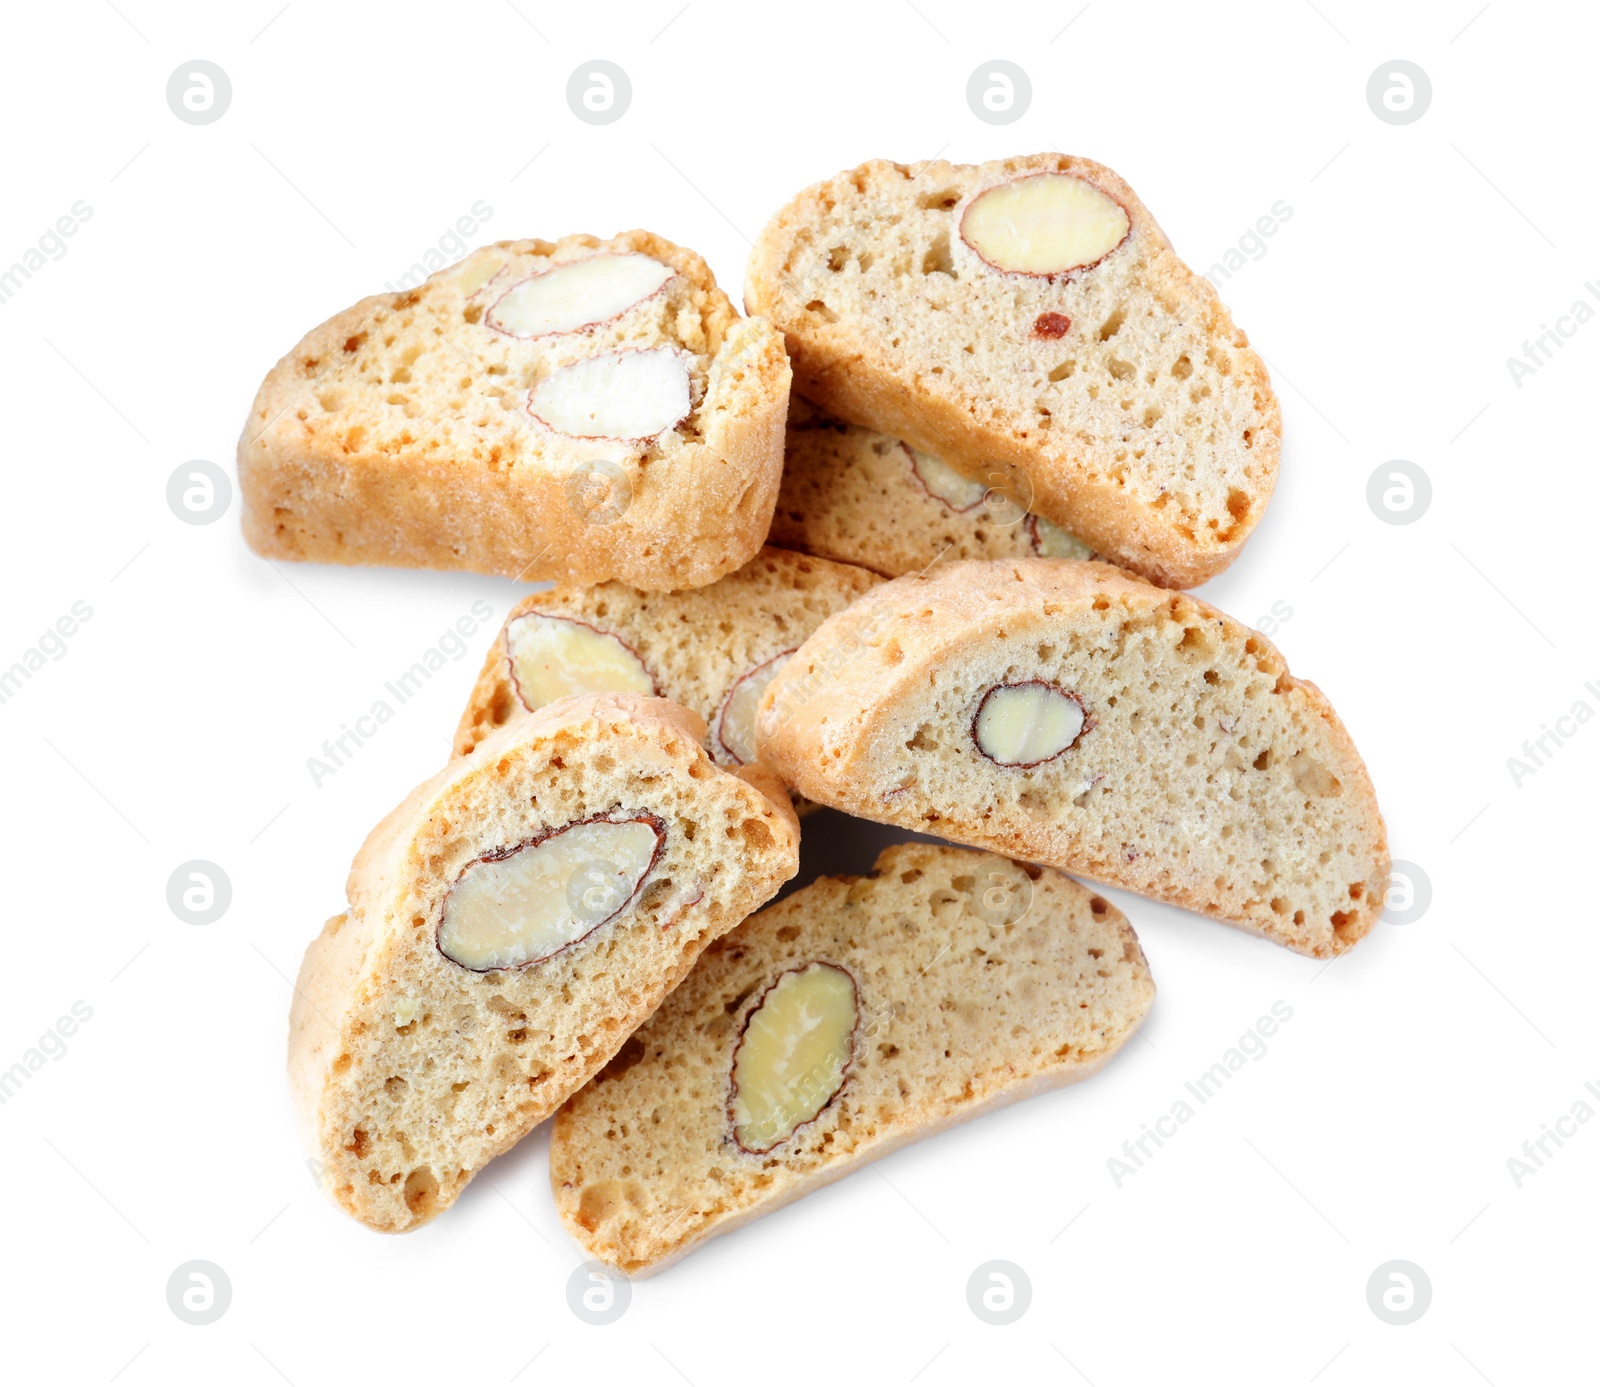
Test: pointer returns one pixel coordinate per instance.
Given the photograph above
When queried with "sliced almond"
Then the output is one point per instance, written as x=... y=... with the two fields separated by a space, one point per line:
x=1044 y=224
x=942 y=482
x=629 y=395
x=735 y=738
x=527 y=903
x=550 y=657
x=794 y=1054
x=1027 y=723
x=476 y=271
x=576 y=295
x=1052 y=542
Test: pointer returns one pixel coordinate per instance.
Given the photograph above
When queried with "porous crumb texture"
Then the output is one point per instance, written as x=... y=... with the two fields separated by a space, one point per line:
x=694 y=644
x=853 y=494
x=1148 y=428
x=410 y=1072
x=399 y=432
x=978 y=982
x=1206 y=774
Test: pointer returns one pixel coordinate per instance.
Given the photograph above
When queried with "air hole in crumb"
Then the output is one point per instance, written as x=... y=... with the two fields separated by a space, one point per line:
x=1312 y=778
x=937 y=260
x=421 y=1190
x=595 y=1204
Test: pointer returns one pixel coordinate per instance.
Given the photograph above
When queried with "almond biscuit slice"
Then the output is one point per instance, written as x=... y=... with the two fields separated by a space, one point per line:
x=1027 y=319
x=712 y=649
x=577 y=410
x=1065 y=712
x=861 y=497
x=851 y=1018
x=509 y=925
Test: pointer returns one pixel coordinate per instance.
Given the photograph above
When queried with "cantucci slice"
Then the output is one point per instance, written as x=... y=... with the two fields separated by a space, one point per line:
x=1026 y=320
x=1067 y=713
x=713 y=649
x=852 y=1017
x=509 y=925
x=577 y=410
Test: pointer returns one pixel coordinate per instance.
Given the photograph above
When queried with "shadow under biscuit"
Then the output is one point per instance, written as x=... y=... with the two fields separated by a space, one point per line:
x=836 y=844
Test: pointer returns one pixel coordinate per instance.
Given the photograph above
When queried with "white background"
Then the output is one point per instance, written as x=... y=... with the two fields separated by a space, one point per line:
x=177 y=725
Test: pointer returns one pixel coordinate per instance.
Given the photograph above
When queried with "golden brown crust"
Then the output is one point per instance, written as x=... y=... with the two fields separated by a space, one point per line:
x=1170 y=486
x=1226 y=786
x=395 y=433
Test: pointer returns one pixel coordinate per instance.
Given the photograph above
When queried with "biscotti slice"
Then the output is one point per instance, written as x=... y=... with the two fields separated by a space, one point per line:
x=1066 y=713
x=509 y=925
x=1027 y=318
x=852 y=1017
x=579 y=411
x=712 y=649
x=861 y=497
